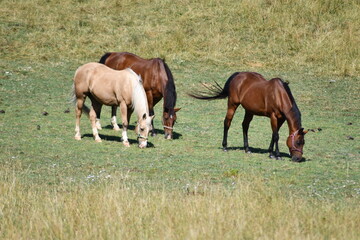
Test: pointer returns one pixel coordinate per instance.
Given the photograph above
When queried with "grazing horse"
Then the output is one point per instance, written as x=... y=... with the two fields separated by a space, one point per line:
x=104 y=85
x=158 y=84
x=260 y=97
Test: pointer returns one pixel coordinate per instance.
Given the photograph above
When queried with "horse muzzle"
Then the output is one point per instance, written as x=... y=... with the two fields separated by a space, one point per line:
x=142 y=141
x=143 y=144
x=168 y=136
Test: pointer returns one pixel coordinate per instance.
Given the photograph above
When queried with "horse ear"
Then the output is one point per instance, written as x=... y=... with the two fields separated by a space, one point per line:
x=302 y=132
x=177 y=109
x=144 y=116
x=152 y=117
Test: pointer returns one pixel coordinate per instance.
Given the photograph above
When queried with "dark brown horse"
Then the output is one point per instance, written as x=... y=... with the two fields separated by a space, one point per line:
x=158 y=84
x=260 y=97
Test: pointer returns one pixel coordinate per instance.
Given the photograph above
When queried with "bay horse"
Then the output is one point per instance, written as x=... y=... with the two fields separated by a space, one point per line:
x=104 y=85
x=158 y=83
x=260 y=97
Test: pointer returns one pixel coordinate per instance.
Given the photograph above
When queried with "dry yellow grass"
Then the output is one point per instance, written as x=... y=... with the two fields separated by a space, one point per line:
x=252 y=210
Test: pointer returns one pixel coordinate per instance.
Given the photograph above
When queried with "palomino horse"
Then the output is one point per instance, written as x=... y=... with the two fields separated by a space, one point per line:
x=158 y=83
x=260 y=97
x=104 y=85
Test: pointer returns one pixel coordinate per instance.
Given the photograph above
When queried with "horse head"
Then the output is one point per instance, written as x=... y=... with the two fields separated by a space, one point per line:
x=296 y=142
x=169 y=119
x=142 y=129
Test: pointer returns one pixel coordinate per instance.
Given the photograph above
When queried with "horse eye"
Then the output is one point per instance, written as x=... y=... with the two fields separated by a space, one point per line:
x=142 y=129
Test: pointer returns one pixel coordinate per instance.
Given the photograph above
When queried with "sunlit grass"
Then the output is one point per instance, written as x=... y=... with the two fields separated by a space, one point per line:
x=318 y=36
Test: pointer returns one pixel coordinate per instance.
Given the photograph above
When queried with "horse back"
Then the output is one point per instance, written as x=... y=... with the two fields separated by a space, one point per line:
x=257 y=95
x=152 y=71
x=105 y=84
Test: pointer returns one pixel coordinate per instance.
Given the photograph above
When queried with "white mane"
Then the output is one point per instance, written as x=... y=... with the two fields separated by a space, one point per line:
x=139 y=99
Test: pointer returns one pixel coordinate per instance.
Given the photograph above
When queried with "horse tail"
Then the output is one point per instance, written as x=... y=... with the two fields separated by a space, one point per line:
x=73 y=100
x=214 y=91
x=170 y=90
x=104 y=57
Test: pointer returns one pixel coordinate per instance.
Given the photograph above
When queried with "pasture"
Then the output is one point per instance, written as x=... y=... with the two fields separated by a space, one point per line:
x=54 y=187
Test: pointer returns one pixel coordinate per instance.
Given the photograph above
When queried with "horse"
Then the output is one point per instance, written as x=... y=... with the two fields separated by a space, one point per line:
x=158 y=84
x=104 y=85
x=260 y=97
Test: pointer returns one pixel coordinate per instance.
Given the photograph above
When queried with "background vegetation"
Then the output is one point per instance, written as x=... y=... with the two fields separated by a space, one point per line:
x=52 y=186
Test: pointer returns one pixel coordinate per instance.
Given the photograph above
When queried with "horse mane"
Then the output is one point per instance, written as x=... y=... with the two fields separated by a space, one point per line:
x=139 y=99
x=294 y=109
x=214 y=91
x=170 y=90
x=104 y=57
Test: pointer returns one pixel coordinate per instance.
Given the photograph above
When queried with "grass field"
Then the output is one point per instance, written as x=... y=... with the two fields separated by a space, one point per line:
x=53 y=187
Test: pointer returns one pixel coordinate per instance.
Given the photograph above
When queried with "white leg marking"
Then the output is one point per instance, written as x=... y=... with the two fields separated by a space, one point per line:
x=114 y=123
x=96 y=135
x=98 y=124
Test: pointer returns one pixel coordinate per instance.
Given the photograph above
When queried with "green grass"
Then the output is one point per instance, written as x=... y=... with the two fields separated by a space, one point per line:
x=311 y=44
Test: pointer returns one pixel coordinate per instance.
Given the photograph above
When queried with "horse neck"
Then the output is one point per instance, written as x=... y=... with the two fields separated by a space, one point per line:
x=293 y=118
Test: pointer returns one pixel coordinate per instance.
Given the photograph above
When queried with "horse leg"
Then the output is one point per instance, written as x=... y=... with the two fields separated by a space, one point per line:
x=245 y=126
x=227 y=122
x=275 y=125
x=280 y=121
x=151 y=111
x=113 y=118
x=78 y=112
x=92 y=115
x=97 y=108
x=125 y=123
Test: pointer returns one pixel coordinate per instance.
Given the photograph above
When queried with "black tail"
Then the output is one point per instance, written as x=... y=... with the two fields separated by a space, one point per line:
x=104 y=57
x=214 y=91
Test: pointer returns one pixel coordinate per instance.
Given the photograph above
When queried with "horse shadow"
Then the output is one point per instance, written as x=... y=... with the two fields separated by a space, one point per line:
x=176 y=135
x=114 y=138
x=262 y=151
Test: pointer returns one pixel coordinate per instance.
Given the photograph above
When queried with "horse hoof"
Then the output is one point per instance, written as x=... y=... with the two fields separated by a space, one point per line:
x=225 y=150
x=77 y=138
x=116 y=128
x=98 y=140
x=271 y=156
x=126 y=144
x=278 y=158
x=248 y=152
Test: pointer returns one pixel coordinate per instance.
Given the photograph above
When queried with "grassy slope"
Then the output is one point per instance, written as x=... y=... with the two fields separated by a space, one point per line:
x=312 y=44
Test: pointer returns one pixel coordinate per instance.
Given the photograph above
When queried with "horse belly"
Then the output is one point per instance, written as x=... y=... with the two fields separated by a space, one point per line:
x=104 y=94
x=105 y=98
x=255 y=108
